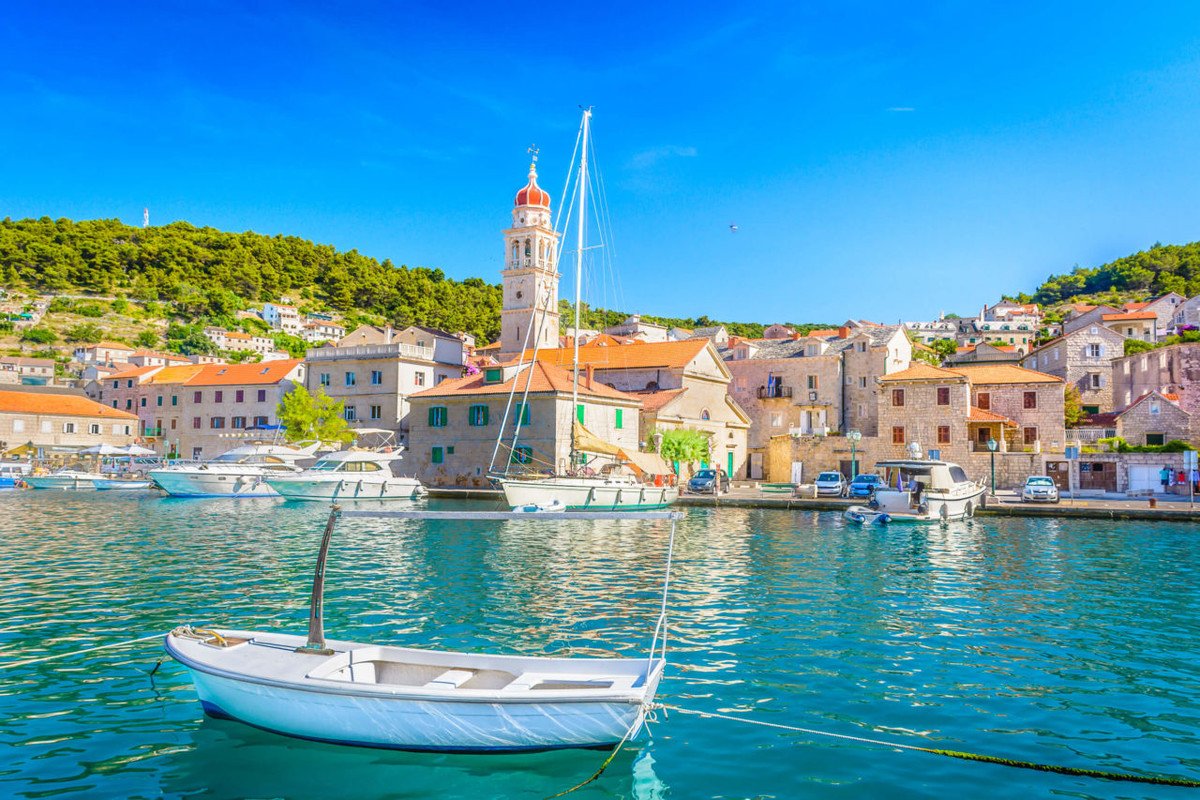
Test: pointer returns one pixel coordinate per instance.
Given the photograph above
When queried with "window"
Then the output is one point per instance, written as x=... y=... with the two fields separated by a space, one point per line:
x=128 y=402
x=173 y=425
x=94 y=429
x=351 y=380
x=1093 y=330
x=195 y=422
x=260 y=422
x=897 y=397
x=943 y=434
x=376 y=412
x=1029 y=434
x=216 y=422
x=198 y=397
x=862 y=382
x=704 y=415
x=492 y=375
x=419 y=378
x=812 y=381
x=158 y=400
x=218 y=397
x=984 y=400
x=437 y=455
x=142 y=402
x=1095 y=351
x=114 y=403
x=239 y=396
x=18 y=425
x=776 y=419
x=1155 y=438
x=477 y=416
x=579 y=413
x=1094 y=380
x=68 y=427
x=521 y=455
x=437 y=416
x=1031 y=400
x=620 y=423
x=324 y=379
x=943 y=396
x=521 y=412
x=116 y=384
x=129 y=384
x=174 y=399
x=1154 y=407
x=350 y=413
x=237 y=422
x=376 y=377
x=898 y=434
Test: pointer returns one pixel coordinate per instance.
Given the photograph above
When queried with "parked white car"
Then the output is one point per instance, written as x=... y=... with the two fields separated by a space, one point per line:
x=831 y=484
x=1039 y=489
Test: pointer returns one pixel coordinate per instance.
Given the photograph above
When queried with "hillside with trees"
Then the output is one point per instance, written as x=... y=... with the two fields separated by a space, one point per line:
x=1161 y=269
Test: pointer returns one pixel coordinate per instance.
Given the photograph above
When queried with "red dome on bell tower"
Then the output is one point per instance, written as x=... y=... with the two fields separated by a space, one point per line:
x=532 y=194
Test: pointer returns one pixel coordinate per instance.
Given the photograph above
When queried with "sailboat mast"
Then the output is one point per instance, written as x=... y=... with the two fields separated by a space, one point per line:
x=580 y=231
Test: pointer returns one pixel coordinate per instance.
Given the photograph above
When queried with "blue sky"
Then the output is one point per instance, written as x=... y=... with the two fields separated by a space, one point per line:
x=881 y=160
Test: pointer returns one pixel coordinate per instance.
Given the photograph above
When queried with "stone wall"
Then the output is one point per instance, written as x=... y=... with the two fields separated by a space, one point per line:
x=921 y=418
x=751 y=374
x=1069 y=358
x=1008 y=399
x=1155 y=414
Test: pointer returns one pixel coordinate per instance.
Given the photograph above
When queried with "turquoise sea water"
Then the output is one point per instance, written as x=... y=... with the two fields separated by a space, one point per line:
x=1069 y=642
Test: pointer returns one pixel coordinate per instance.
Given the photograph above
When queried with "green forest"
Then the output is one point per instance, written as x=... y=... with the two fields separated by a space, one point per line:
x=1161 y=269
x=203 y=275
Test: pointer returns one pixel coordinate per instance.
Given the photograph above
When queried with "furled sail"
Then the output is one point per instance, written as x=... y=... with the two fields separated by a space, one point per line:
x=587 y=442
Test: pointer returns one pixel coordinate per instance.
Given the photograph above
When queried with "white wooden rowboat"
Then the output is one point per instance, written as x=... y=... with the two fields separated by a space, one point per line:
x=413 y=699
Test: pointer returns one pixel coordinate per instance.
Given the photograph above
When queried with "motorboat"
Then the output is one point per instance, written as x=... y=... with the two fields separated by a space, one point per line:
x=240 y=472
x=68 y=479
x=609 y=491
x=919 y=490
x=122 y=484
x=861 y=515
x=348 y=475
x=13 y=473
x=371 y=695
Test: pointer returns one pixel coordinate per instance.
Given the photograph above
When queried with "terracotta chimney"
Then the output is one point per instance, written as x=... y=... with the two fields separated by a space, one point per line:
x=844 y=332
x=591 y=374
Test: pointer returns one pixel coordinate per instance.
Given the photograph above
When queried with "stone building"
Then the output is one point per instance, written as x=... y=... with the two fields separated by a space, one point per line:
x=868 y=353
x=1173 y=370
x=455 y=426
x=27 y=371
x=1142 y=325
x=373 y=372
x=1082 y=358
x=1155 y=418
x=1032 y=401
x=56 y=424
x=931 y=407
x=681 y=384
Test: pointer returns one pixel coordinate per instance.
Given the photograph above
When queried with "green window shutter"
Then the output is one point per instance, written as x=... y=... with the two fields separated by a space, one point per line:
x=438 y=455
x=485 y=415
x=620 y=418
x=579 y=413
x=525 y=414
x=431 y=417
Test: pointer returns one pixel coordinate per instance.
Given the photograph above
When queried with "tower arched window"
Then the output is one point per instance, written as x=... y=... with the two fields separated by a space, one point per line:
x=528 y=249
x=516 y=251
x=704 y=415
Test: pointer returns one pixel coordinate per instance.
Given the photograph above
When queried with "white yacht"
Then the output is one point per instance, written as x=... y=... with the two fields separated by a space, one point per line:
x=63 y=479
x=925 y=491
x=348 y=475
x=240 y=472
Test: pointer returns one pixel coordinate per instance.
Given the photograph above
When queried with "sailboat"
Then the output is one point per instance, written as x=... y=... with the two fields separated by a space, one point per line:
x=602 y=476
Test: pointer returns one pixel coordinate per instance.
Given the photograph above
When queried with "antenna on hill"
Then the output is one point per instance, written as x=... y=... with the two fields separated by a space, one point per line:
x=145 y=218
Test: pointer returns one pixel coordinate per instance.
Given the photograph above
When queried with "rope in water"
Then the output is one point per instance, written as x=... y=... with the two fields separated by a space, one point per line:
x=604 y=766
x=80 y=652
x=1007 y=762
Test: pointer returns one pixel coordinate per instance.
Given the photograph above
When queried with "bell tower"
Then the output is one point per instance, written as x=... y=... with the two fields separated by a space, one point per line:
x=530 y=273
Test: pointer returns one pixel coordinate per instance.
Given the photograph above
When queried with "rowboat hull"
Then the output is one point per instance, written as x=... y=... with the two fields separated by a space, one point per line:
x=309 y=696
x=586 y=494
x=346 y=489
x=114 y=485
x=61 y=482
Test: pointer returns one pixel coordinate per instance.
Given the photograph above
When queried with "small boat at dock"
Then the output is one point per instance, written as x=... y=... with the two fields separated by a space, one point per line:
x=919 y=490
x=861 y=515
x=64 y=479
x=348 y=475
x=122 y=485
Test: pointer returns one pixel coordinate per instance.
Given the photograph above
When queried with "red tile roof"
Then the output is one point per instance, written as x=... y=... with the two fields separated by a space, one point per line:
x=643 y=355
x=983 y=415
x=545 y=378
x=1129 y=316
x=653 y=401
x=262 y=373
x=69 y=405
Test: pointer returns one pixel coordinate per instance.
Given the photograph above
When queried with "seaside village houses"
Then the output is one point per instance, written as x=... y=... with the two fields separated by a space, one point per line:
x=628 y=388
x=199 y=411
x=54 y=424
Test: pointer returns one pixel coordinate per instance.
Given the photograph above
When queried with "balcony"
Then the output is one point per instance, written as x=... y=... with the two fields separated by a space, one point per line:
x=814 y=430
x=772 y=392
x=393 y=350
x=152 y=432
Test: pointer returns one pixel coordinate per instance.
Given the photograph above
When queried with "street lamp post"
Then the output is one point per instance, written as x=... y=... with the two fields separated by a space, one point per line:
x=855 y=437
x=992 y=444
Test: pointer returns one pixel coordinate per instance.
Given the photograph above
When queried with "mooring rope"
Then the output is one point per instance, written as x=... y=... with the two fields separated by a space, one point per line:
x=27 y=661
x=604 y=766
x=1158 y=780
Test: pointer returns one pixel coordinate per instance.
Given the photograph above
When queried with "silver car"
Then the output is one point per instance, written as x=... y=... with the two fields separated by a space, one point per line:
x=1039 y=489
x=831 y=483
